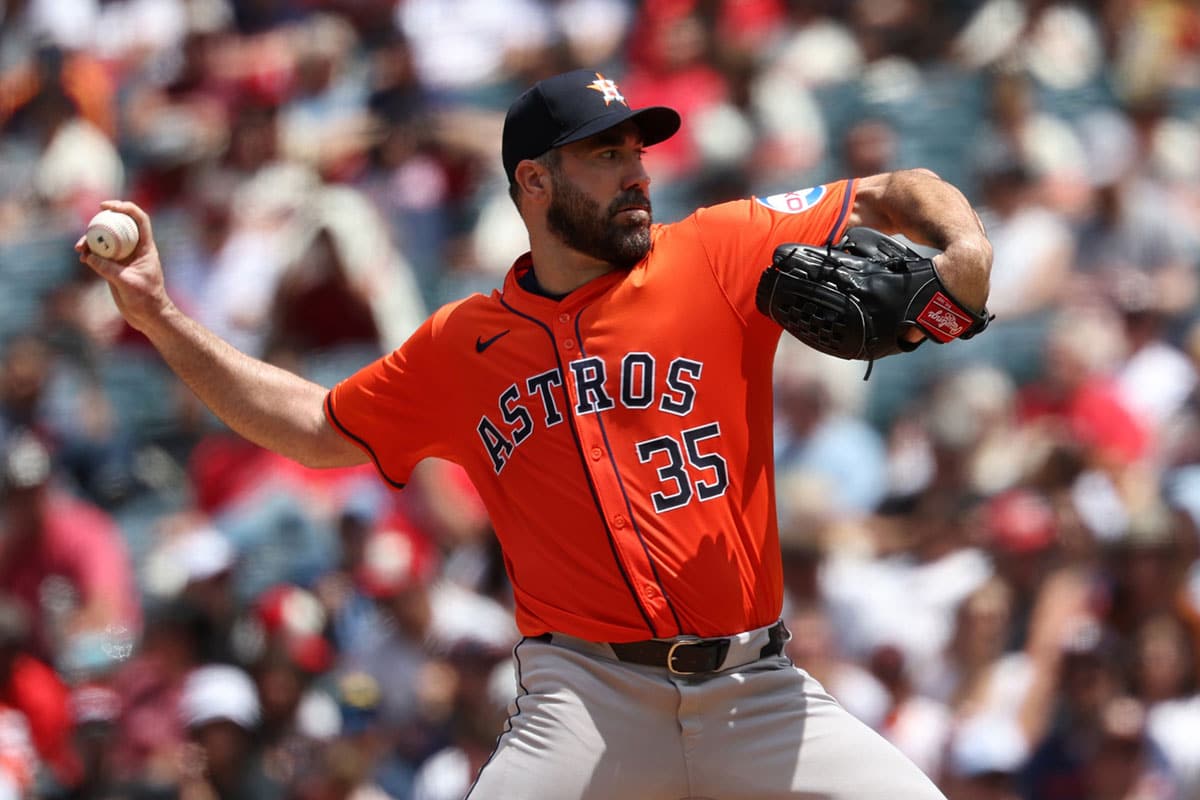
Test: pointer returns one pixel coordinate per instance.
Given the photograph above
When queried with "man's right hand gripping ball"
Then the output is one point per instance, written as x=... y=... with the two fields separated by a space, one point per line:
x=857 y=299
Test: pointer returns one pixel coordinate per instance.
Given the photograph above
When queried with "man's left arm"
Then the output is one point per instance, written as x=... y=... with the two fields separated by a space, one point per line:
x=930 y=211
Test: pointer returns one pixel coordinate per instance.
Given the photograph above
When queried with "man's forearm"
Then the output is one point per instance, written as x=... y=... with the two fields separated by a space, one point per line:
x=271 y=407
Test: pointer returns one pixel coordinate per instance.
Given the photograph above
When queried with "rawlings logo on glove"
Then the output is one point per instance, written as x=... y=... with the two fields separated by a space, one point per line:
x=857 y=299
x=943 y=320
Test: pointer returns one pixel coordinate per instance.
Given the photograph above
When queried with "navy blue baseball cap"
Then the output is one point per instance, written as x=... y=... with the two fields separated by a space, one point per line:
x=574 y=106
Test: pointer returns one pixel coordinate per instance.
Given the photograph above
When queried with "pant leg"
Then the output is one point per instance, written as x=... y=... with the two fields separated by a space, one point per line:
x=585 y=728
x=773 y=732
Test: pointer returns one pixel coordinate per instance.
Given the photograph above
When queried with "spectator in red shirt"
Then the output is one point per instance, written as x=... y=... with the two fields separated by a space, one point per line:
x=32 y=689
x=63 y=560
x=1076 y=394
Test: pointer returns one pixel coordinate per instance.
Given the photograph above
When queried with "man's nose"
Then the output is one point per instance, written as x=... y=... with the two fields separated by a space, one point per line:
x=637 y=178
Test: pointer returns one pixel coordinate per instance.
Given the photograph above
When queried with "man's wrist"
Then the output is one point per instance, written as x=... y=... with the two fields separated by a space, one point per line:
x=964 y=268
x=155 y=324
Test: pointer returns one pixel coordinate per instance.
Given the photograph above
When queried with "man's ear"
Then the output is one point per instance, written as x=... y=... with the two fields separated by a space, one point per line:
x=534 y=180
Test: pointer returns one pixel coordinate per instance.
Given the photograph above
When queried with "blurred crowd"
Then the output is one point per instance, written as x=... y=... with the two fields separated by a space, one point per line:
x=990 y=547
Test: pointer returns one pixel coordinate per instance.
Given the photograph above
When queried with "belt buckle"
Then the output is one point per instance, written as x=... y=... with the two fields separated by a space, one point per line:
x=671 y=655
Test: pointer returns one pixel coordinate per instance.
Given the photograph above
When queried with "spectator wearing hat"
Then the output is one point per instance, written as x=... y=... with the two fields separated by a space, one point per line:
x=287 y=654
x=1020 y=531
x=387 y=561
x=417 y=618
x=193 y=563
x=985 y=758
x=360 y=699
x=291 y=621
x=400 y=571
x=221 y=712
x=394 y=648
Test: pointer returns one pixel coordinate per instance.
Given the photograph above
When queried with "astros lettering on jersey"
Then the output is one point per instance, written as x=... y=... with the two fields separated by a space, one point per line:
x=651 y=387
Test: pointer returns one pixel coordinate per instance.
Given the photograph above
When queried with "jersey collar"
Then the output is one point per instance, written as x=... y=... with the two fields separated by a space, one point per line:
x=542 y=307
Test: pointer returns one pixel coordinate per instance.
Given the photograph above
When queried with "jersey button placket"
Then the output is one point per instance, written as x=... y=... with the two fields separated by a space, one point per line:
x=621 y=528
x=563 y=331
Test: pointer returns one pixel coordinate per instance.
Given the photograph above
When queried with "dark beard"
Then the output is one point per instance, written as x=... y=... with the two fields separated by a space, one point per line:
x=576 y=219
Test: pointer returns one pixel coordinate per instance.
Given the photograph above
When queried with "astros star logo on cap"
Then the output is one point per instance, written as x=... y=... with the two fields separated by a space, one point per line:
x=607 y=88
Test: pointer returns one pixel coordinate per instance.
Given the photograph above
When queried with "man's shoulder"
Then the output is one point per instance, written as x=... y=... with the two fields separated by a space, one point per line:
x=466 y=311
x=711 y=219
x=702 y=224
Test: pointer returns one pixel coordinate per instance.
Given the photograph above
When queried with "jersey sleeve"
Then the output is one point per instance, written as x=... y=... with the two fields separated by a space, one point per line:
x=395 y=408
x=740 y=237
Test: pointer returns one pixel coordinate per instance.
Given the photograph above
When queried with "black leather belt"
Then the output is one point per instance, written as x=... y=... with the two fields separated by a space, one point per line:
x=692 y=656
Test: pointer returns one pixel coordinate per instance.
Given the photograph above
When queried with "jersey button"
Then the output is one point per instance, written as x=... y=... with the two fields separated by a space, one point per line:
x=596 y=453
x=619 y=521
x=568 y=344
x=564 y=318
x=650 y=591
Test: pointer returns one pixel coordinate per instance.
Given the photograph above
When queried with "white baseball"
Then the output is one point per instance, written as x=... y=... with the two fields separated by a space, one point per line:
x=112 y=235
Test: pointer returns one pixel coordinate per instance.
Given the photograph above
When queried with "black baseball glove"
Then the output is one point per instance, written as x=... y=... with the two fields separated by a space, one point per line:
x=857 y=298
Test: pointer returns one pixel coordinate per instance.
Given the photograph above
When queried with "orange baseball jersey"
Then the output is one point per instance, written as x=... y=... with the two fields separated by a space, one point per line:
x=621 y=438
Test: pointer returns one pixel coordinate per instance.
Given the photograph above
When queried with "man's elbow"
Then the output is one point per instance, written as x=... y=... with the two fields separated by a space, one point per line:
x=330 y=458
x=325 y=448
x=923 y=172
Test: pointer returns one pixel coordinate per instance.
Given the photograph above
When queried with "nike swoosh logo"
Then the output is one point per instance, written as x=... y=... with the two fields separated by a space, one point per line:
x=484 y=344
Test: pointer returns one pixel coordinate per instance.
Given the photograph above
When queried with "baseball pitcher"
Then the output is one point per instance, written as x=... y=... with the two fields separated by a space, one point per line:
x=612 y=404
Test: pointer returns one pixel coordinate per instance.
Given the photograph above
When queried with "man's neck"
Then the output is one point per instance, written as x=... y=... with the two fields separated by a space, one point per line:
x=561 y=269
x=528 y=281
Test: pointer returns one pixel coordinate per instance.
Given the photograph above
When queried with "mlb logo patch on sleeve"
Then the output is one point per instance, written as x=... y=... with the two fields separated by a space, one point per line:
x=794 y=202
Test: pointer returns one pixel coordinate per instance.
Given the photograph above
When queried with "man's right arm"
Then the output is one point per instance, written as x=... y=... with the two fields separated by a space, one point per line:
x=271 y=407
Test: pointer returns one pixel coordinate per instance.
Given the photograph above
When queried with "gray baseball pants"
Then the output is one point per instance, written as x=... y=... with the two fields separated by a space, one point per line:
x=585 y=726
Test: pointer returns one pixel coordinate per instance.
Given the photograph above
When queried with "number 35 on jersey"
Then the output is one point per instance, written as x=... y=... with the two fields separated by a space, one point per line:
x=687 y=464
